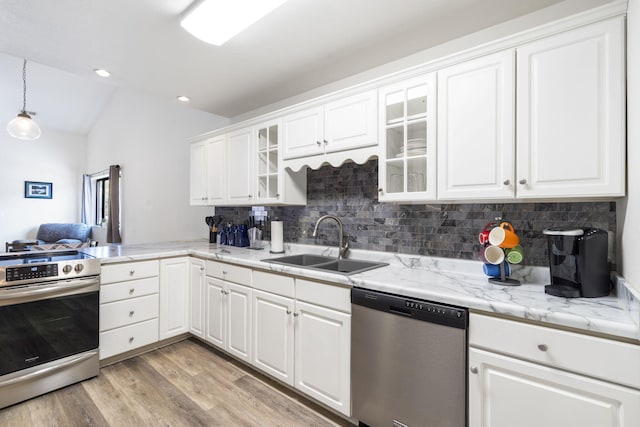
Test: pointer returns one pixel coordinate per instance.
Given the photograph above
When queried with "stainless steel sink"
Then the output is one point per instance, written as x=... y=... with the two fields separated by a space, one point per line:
x=320 y=262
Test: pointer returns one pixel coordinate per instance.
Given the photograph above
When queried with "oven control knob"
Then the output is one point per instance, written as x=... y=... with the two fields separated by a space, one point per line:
x=78 y=268
x=67 y=269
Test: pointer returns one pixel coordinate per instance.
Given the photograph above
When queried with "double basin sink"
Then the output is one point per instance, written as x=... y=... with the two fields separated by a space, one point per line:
x=326 y=263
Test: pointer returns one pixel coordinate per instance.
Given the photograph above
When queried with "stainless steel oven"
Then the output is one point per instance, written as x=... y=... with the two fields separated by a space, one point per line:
x=49 y=322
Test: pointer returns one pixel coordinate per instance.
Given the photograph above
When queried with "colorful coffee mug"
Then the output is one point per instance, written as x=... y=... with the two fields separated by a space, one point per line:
x=493 y=270
x=483 y=237
x=504 y=236
x=492 y=255
x=514 y=255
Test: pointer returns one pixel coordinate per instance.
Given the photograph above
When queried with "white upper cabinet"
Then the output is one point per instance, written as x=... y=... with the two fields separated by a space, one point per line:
x=339 y=125
x=476 y=118
x=571 y=113
x=240 y=171
x=407 y=153
x=208 y=171
x=274 y=183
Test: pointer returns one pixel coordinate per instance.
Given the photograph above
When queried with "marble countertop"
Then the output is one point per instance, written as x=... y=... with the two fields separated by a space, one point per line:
x=450 y=281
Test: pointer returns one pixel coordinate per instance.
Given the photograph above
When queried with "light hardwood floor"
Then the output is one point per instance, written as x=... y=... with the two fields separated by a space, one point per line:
x=184 y=384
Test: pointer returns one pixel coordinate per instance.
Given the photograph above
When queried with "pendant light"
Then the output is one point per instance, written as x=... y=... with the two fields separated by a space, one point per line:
x=23 y=126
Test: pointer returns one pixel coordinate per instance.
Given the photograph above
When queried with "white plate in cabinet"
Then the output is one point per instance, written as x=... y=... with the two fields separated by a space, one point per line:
x=130 y=289
x=129 y=271
x=133 y=310
x=128 y=338
x=571 y=113
x=476 y=128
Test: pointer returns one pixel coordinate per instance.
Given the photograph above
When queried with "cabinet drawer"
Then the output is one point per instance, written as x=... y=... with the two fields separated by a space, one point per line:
x=274 y=283
x=130 y=289
x=128 y=271
x=229 y=272
x=331 y=296
x=127 y=338
x=596 y=357
x=127 y=312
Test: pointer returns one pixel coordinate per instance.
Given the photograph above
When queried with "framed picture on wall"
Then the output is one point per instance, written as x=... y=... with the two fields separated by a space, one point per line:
x=38 y=190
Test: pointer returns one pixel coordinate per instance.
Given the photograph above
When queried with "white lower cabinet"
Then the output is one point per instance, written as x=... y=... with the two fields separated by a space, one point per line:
x=197 y=298
x=129 y=306
x=228 y=314
x=174 y=297
x=529 y=376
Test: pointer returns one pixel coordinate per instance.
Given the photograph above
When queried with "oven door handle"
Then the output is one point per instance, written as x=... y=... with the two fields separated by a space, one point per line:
x=48 y=370
x=34 y=293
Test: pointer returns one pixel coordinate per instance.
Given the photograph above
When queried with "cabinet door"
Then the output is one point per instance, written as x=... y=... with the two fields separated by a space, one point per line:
x=240 y=167
x=239 y=321
x=476 y=140
x=322 y=355
x=198 y=173
x=303 y=133
x=197 y=297
x=268 y=162
x=273 y=335
x=407 y=165
x=351 y=122
x=216 y=170
x=570 y=113
x=216 y=316
x=507 y=392
x=174 y=297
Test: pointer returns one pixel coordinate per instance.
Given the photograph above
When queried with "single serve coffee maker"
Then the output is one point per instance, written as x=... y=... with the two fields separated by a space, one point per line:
x=578 y=262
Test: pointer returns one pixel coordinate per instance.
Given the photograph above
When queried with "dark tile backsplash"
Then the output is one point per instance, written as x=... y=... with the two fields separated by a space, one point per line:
x=443 y=230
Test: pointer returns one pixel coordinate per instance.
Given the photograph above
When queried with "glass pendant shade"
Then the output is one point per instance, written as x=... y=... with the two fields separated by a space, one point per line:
x=23 y=127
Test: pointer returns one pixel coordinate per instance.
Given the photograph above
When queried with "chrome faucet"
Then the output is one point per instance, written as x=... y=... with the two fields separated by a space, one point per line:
x=343 y=246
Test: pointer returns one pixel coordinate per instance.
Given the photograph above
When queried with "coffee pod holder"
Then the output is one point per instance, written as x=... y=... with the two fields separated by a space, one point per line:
x=503 y=279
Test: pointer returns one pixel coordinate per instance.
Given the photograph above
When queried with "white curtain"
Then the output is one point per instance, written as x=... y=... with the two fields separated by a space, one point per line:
x=87 y=198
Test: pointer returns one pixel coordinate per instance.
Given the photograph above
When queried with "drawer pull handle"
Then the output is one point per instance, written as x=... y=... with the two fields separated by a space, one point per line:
x=131 y=313
x=130 y=339
x=473 y=369
x=543 y=347
x=131 y=291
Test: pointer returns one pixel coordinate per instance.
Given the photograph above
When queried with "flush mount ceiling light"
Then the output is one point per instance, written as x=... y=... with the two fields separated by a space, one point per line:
x=216 y=21
x=23 y=126
x=183 y=98
x=102 y=72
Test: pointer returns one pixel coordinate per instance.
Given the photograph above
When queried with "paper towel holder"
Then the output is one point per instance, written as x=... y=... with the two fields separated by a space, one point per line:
x=277 y=235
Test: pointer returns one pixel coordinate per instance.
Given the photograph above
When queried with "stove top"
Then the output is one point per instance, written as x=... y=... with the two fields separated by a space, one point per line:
x=33 y=267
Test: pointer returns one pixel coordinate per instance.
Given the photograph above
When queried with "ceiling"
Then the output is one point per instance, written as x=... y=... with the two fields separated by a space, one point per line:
x=300 y=46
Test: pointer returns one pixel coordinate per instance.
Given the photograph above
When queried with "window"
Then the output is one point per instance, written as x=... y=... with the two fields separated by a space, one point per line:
x=102 y=200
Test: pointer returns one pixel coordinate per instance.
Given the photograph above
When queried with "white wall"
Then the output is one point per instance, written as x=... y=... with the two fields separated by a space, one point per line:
x=147 y=137
x=57 y=157
x=629 y=210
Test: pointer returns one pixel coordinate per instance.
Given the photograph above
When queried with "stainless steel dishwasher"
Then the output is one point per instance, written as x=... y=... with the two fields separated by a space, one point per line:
x=408 y=361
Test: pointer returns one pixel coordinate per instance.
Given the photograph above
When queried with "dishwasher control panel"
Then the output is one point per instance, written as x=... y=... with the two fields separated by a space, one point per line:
x=410 y=307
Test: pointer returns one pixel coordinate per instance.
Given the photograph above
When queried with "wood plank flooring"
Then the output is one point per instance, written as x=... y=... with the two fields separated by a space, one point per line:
x=184 y=384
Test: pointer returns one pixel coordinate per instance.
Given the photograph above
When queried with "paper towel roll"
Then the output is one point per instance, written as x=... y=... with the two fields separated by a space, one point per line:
x=277 y=244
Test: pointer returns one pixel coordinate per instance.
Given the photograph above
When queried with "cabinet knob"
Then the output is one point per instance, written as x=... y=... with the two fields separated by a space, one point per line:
x=201 y=268
x=319 y=143
x=473 y=369
x=277 y=194
x=296 y=314
x=522 y=181
x=507 y=182
x=224 y=273
x=250 y=196
x=132 y=272
x=130 y=339
x=326 y=142
x=131 y=313
x=380 y=190
x=131 y=291
x=288 y=311
x=543 y=347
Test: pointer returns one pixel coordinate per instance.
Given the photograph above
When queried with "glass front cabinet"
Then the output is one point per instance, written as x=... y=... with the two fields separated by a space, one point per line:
x=268 y=161
x=407 y=166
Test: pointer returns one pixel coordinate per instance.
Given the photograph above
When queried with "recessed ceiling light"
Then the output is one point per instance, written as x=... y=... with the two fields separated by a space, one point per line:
x=183 y=98
x=102 y=72
x=216 y=21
